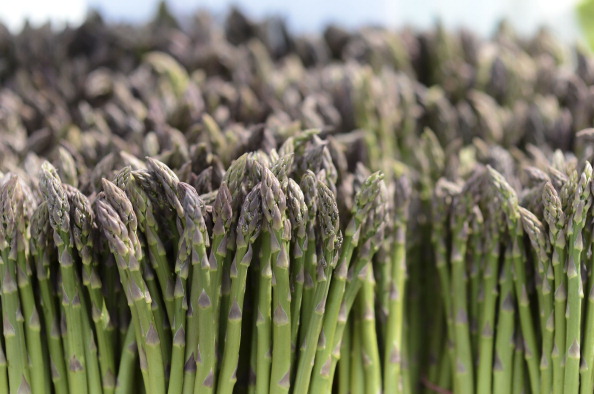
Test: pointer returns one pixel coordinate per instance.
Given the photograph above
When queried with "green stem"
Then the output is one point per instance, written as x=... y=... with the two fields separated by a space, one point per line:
x=280 y=375
x=464 y=362
x=263 y=319
x=344 y=364
x=504 y=341
x=127 y=369
x=369 y=348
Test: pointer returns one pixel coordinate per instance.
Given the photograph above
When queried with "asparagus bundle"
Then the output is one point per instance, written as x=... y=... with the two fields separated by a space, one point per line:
x=211 y=221
x=272 y=231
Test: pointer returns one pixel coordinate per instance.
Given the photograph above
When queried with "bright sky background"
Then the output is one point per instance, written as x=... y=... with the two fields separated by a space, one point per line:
x=310 y=15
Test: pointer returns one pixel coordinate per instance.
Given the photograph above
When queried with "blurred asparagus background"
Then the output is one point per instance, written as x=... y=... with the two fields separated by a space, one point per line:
x=206 y=207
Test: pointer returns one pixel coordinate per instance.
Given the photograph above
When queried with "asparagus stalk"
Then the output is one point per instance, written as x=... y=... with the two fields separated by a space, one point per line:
x=119 y=225
x=263 y=314
x=178 y=328
x=81 y=225
x=536 y=233
x=41 y=233
x=310 y=194
x=13 y=328
x=3 y=372
x=126 y=373
x=509 y=203
x=248 y=229
x=587 y=362
x=460 y=233
x=369 y=341
x=71 y=293
x=274 y=208
x=587 y=365
x=201 y=292
x=504 y=340
x=357 y=373
x=581 y=203
x=297 y=212
x=149 y=226
x=19 y=250
x=553 y=213
x=222 y=217
x=489 y=300
x=477 y=257
x=371 y=238
x=327 y=220
x=393 y=341
x=444 y=192
x=321 y=379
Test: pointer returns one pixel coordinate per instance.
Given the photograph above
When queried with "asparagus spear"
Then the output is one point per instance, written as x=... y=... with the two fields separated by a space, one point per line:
x=274 y=208
x=248 y=230
x=344 y=363
x=321 y=379
x=394 y=340
x=13 y=328
x=310 y=194
x=297 y=212
x=509 y=203
x=371 y=237
x=41 y=251
x=119 y=227
x=536 y=233
x=81 y=224
x=581 y=203
x=184 y=327
x=587 y=362
x=201 y=292
x=553 y=213
x=222 y=218
x=369 y=340
x=20 y=250
x=263 y=313
x=178 y=327
x=71 y=293
x=444 y=192
x=327 y=218
x=504 y=340
x=476 y=262
x=460 y=233
x=127 y=372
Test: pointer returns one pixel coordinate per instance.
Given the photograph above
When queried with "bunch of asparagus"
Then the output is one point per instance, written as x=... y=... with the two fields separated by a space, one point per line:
x=209 y=222
x=252 y=285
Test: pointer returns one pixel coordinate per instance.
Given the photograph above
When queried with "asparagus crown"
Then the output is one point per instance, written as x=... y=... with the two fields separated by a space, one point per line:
x=366 y=194
x=168 y=181
x=505 y=197
x=296 y=208
x=281 y=169
x=13 y=216
x=536 y=233
x=310 y=196
x=582 y=196
x=250 y=219
x=113 y=228
x=553 y=211
x=222 y=210
x=81 y=215
x=274 y=202
x=57 y=201
x=193 y=210
x=119 y=201
x=40 y=227
x=327 y=217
